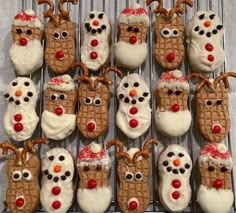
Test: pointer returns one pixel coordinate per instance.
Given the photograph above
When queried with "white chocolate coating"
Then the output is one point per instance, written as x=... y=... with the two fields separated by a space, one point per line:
x=62 y=83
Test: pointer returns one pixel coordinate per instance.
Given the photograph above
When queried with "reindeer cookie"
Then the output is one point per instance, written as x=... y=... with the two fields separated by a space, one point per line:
x=95 y=48
x=57 y=191
x=131 y=48
x=133 y=172
x=60 y=37
x=59 y=119
x=169 y=29
x=215 y=192
x=204 y=38
x=134 y=113
x=212 y=106
x=20 y=119
x=23 y=170
x=94 y=96
x=26 y=52
x=94 y=193
x=174 y=166
x=172 y=115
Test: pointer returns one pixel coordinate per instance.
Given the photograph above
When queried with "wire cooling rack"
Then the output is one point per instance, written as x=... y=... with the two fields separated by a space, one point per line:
x=192 y=141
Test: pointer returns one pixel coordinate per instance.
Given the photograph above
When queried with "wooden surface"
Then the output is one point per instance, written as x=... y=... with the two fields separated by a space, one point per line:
x=151 y=72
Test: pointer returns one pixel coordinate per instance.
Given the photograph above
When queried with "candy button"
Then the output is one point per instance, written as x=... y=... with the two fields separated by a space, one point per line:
x=59 y=111
x=207 y=23
x=56 y=204
x=218 y=184
x=23 y=41
x=133 y=123
x=133 y=110
x=176 y=162
x=133 y=39
x=17 y=117
x=59 y=55
x=176 y=195
x=18 y=127
x=56 y=190
x=175 y=107
x=94 y=42
x=92 y=183
x=176 y=183
x=96 y=23
x=133 y=205
x=20 y=202
x=93 y=55
x=209 y=47
x=170 y=57
x=18 y=93
x=210 y=58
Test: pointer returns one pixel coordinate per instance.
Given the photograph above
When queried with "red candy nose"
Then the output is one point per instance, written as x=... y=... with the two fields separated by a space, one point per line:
x=133 y=39
x=59 y=111
x=23 y=41
x=60 y=55
x=133 y=205
x=218 y=183
x=216 y=128
x=91 y=126
x=92 y=183
x=170 y=57
x=20 y=202
x=175 y=107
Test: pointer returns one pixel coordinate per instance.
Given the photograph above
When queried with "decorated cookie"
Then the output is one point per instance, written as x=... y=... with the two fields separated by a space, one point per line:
x=172 y=115
x=23 y=170
x=96 y=35
x=204 y=38
x=57 y=191
x=59 y=119
x=131 y=48
x=212 y=106
x=20 y=119
x=174 y=166
x=134 y=113
x=169 y=28
x=94 y=97
x=215 y=192
x=60 y=37
x=26 y=52
x=133 y=172
x=94 y=193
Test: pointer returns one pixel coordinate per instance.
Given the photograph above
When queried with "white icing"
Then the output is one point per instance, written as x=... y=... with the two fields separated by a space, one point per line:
x=221 y=148
x=67 y=84
x=95 y=148
x=94 y=200
x=133 y=199
x=103 y=47
x=177 y=74
x=67 y=187
x=26 y=109
x=143 y=116
x=57 y=127
x=197 y=53
x=132 y=152
x=21 y=207
x=173 y=124
x=165 y=186
x=130 y=56
x=26 y=59
x=214 y=200
x=29 y=12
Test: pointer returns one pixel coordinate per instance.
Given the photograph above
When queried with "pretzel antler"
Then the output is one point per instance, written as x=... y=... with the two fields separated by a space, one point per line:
x=205 y=80
x=49 y=12
x=224 y=76
x=178 y=9
x=145 y=152
x=120 y=153
x=6 y=146
x=65 y=14
x=29 y=147
x=159 y=9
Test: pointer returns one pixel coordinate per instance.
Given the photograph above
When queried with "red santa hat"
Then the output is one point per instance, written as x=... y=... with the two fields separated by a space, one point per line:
x=172 y=79
x=28 y=18
x=93 y=155
x=134 y=14
x=62 y=83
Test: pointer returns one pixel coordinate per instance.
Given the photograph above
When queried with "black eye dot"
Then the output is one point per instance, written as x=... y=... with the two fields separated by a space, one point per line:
x=100 y=16
x=53 y=97
x=19 y=31
x=165 y=32
x=141 y=99
x=14 y=84
x=129 y=28
x=86 y=168
x=169 y=169
x=211 y=168
x=121 y=96
x=94 y=31
x=27 y=83
x=165 y=163
x=63 y=177
x=126 y=100
x=29 y=32
x=51 y=158
x=175 y=171
x=26 y=99
x=170 y=154
x=136 y=29
x=182 y=171
x=26 y=174
x=136 y=84
x=201 y=32
x=181 y=155
x=223 y=169
x=11 y=99
x=218 y=102
x=175 y=32
x=129 y=176
x=202 y=16
x=67 y=173
x=208 y=34
x=126 y=85
x=61 y=158
x=62 y=97
x=208 y=103
x=91 y=15
x=46 y=172
x=214 y=31
x=16 y=176
x=99 y=30
x=64 y=34
x=6 y=95
x=187 y=166
x=170 y=92
x=49 y=177
x=30 y=94
x=133 y=101
x=145 y=94
x=56 y=35
x=212 y=16
x=103 y=27
x=55 y=179
x=97 y=101
x=219 y=27
x=196 y=28
x=178 y=92
x=99 y=167
x=138 y=176
x=17 y=102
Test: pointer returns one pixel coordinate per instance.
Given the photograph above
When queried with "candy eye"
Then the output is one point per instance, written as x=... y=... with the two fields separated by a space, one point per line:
x=91 y=15
x=100 y=16
x=223 y=169
x=27 y=174
x=88 y=101
x=56 y=35
x=138 y=176
x=53 y=97
x=99 y=167
x=181 y=155
x=126 y=85
x=175 y=33
x=202 y=16
x=51 y=158
x=212 y=16
x=208 y=103
x=19 y=31
x=14 y=84
x=129 y=176
x=166 y=33
x=170 y=92
x=61 y=158
x=27 y=83
x=16 y=175
x=86 y=168
x=64 y=34
x=29 y=32
x=211 y=168
x=97 y=101
x=178 y=92
x=136 y=84
x=129 y=28
x=62 y=97
x=136 y=29
x=170 y=154
x=218 y=102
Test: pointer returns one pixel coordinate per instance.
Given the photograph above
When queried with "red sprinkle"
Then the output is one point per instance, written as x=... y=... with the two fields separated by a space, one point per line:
x=18 y=117
x=133 y=110
x=210 y=58
x=18 y=127
x=93 y=55
x=176 y=195
x=56 y=190
x=176 y=183
x=133 y=123
x=94 y=42
x=56 y=204
x=209 y=47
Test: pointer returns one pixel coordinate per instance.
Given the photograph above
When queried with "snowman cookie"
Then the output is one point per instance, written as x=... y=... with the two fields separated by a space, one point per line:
x=215 y=192
x=94 y=193
x=96 y=33
x=174 y=166
x=57 y=191
x=20 y=119
x=204 y=38
x=131 y=48
x=59 y=119
x=134 y=113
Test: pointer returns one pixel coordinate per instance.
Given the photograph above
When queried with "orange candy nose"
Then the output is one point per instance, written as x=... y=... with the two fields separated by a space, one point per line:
x=132 y=93
x=176 y=162
x=207 y=23
x=57 y=168
x=96 y=23
x=18 y=93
